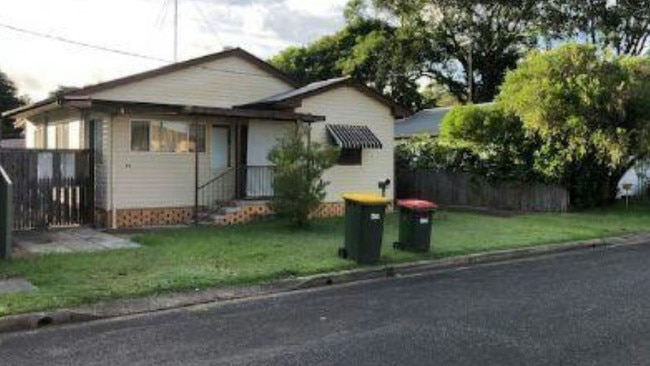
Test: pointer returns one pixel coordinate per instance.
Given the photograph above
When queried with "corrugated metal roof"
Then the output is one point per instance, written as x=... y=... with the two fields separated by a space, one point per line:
x=354 y=137
x=425 y=121
x=300 y=91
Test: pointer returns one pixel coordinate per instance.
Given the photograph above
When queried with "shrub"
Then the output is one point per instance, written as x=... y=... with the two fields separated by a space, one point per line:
x=298 y=169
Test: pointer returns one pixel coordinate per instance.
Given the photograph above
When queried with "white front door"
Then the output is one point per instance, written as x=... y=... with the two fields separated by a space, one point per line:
x=219 y=155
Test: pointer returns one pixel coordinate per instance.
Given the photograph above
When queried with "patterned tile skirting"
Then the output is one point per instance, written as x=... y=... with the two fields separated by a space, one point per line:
x=250 y=212
x=144 y=217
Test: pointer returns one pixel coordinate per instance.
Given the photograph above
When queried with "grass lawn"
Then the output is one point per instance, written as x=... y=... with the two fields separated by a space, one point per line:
x=182 y=259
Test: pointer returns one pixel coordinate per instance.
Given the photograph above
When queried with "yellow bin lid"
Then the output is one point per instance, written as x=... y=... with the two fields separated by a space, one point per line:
x=368 y=199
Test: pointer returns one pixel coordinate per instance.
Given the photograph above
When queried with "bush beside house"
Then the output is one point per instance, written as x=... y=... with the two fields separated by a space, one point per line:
x=569 y=116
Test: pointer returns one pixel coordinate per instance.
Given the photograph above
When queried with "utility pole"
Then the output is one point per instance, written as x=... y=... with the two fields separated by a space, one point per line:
x=175 y=30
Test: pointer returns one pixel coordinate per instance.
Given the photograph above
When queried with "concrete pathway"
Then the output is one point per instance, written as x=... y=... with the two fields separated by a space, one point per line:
x=12 y=285
x=68 y=241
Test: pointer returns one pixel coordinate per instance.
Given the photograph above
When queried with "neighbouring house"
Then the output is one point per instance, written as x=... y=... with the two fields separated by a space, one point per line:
x=636 y=179
x=426 y=121
x=193 y=137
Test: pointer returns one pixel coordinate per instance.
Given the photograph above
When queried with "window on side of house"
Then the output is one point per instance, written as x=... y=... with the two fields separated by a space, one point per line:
x=39 y=137
x=169 y=136
x=62 y=136
x=139 y=135
x=197 y=137
x=350 y=157
x=98 y=137
x=166 y=136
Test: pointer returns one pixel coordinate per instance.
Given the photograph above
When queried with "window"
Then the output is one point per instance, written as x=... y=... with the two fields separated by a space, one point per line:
x=39 y=137
x=166 y=136
x=197 y=137
x=139 y=135
x=350 y=157
x=62 y=136
x=169 y=137
x=98 y=140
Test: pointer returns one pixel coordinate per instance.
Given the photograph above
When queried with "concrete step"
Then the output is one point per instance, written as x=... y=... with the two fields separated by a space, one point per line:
x=228 y=210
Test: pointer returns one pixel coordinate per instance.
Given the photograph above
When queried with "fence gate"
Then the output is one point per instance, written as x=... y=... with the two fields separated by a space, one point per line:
x=51 y=188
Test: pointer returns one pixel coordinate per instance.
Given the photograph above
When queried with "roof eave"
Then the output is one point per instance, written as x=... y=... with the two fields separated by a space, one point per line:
x=31 y=109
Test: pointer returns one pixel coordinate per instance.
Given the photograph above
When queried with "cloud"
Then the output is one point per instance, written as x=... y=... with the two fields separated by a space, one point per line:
x=38 y=65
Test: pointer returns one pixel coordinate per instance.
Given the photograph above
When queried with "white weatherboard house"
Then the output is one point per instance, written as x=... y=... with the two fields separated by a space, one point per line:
x=195 y=136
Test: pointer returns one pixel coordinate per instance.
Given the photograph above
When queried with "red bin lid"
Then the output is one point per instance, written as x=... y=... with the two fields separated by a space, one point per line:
x=416 y=204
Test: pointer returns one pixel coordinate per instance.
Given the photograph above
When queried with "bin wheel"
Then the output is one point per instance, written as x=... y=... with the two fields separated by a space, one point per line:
x=343 y=253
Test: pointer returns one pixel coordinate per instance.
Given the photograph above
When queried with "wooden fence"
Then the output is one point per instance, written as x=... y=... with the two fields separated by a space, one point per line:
x=51 y=188
x=466 y=190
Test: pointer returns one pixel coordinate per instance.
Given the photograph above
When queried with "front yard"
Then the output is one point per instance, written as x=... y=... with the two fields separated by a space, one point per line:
x=196 y=258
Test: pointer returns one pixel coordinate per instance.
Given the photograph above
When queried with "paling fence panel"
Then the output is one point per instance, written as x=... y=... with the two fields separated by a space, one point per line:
x=52 y=188
x=467 y=190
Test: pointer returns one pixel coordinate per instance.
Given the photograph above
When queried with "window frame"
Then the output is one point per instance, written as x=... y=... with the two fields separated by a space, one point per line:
x=350 y=157
x=160 y=122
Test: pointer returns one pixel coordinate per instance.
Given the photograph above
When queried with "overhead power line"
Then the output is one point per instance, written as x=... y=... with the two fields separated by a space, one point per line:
x=121 y=52
x=78 y=43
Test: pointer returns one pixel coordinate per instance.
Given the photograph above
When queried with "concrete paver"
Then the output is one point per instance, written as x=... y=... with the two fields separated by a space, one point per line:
x=13 y=285
x=69 y=241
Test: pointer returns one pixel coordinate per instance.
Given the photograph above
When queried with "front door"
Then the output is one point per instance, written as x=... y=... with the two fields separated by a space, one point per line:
x=220 y=149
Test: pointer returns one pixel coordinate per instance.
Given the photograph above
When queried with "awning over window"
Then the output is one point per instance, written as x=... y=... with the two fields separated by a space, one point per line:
x=354 y=137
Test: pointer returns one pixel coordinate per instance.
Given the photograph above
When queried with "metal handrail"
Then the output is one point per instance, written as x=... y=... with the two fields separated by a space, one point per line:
x=218 y=177
x=243 y=182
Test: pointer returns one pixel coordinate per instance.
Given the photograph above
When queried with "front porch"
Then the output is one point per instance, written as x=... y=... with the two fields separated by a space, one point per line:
x=173 y=165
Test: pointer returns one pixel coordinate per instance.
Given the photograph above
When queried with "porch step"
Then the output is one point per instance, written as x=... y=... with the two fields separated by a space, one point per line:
x=229 y=213
x=228 y=210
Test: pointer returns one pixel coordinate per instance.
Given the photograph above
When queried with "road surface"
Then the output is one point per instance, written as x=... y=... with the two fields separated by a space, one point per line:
x=586 y=308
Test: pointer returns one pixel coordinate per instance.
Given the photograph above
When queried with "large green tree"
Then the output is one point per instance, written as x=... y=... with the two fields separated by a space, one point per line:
x=590 y=111
x=8 y=100
x=622 y=26
x=370 y=50
x=467 y=42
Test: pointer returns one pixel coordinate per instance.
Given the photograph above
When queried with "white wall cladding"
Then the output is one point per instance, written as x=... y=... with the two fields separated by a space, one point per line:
x=221 y=83
x=262 y=136
x=346 y=105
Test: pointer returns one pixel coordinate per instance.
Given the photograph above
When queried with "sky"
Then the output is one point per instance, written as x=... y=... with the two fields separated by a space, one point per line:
x=38 y=65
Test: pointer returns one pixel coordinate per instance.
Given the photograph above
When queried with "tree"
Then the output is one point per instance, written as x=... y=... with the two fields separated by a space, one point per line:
x=8 y=101
x=590 y=111
x=370 y=50
x=298 y=169
x=456 y=36
x=622 y=26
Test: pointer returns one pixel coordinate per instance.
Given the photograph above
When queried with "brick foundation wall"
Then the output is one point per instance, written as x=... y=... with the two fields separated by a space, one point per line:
x=147 y=217
x=132 y=218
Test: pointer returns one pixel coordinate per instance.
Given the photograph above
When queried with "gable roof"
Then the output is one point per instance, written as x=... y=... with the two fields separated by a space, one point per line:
x=95 y=88
x=426 y=121
x=237 y=52
x=293 y=98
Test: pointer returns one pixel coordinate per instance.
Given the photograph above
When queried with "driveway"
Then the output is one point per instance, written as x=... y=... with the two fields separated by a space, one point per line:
x=587 y=308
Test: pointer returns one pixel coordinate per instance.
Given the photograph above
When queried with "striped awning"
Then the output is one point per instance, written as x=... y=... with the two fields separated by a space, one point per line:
x=354 y=137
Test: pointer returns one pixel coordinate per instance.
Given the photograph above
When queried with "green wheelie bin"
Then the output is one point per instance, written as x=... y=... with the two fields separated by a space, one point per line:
x=364 y=227
x=415 y=225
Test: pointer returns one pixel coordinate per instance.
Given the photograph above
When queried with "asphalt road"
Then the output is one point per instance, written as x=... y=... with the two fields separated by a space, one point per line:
x=588 y=308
